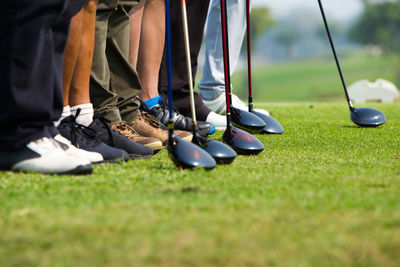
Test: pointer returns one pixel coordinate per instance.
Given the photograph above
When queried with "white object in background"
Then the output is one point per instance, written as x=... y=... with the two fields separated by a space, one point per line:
x=381 y=90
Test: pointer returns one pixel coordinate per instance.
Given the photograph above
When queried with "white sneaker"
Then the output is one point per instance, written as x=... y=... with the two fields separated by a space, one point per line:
x=44 y=155
x=218 y=104
x=219 y=121
x=75 y=152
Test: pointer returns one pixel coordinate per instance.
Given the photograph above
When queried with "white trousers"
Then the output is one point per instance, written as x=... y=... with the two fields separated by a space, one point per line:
x=212 y=84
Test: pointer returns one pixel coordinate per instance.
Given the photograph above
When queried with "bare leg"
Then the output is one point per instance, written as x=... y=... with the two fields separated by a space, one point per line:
x=151 y=47
x=79 y=89
x=135 y=17
x=71 y=53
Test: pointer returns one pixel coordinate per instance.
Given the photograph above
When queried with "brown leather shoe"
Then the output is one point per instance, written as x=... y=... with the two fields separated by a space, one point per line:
x=148 y=125
x=129 y=132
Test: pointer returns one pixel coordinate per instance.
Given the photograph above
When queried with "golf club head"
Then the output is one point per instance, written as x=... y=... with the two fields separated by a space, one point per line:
x=187 y=155
x=272 y=126
x=242 y=142
x=222 y=153
x=246 y=121
x=367 y=117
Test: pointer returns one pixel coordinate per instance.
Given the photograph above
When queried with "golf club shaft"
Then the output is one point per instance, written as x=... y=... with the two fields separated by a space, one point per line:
x=334 y=54
x=225 y=49
x=169 y=64
x=188 y=61
x=249 y=55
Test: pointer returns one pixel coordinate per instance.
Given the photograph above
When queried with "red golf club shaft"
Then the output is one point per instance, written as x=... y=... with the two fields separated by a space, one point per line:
x=225 y=48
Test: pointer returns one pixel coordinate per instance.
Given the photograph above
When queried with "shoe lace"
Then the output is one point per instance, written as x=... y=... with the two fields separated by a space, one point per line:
x=123 y=126
x=150 y=119
x=79 y=130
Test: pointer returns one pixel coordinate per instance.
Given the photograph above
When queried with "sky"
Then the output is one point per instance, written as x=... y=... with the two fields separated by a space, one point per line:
x=337 y=9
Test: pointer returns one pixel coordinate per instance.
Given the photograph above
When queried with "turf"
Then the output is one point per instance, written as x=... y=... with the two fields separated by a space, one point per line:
x=325 y=193
x=314 y=79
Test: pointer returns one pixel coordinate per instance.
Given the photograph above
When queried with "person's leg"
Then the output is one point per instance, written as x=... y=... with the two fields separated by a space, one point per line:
x=70 y=58
x=114 y=83
x=212 y=84
x=151 y=47
x=124 y=81
x=30 y=76
x=197 y=13
x=79 y=87
x=30 y=100
x=77 y=64
x=145 y=52
x=135 y=24
x=103 y=98
x=77 y=67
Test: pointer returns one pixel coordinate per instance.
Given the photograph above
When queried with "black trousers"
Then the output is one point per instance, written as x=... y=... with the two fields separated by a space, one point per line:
x=33 y=37
x=197 y=15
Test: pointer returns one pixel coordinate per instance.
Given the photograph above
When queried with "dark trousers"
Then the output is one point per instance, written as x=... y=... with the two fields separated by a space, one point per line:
x=197 y=14
x=33 y=36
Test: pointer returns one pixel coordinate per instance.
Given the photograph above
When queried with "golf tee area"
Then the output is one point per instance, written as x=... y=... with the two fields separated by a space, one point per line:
x=324 y=193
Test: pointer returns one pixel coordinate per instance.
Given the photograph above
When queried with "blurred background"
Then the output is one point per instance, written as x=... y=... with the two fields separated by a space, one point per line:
x=291 y=56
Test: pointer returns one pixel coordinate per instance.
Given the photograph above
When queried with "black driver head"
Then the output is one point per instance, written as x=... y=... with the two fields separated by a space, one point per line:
x=242 y=142
x=272 y=126
x=367 y=117
x=246 y=121
x=188 y=155
x=222 y=153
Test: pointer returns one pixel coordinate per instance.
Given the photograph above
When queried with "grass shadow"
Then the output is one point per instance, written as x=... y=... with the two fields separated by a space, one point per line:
x=188 y=190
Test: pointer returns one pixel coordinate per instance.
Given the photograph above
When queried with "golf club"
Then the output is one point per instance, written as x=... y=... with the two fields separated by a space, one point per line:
x=272 y=126
x=222 y=153
x=241 y=141
x=239 y=118
x=365 y=117
x=182 y=153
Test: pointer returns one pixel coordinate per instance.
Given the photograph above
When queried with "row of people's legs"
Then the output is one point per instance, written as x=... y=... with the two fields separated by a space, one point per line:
x=102 y=54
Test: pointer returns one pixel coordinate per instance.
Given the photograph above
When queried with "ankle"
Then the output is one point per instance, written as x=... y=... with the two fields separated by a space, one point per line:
x=153 y=101
x=148 y=95
x=86 y=114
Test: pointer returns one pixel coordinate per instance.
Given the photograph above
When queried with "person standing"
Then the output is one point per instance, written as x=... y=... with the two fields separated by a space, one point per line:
x=79 y=123
x=31 y=49
x=212 y=84
x=197 y=15
x=114 y=82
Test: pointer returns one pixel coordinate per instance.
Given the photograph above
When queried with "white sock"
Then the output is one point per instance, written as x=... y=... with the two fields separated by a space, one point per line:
x=85 y=116
x=219 y=121
x=66 y=112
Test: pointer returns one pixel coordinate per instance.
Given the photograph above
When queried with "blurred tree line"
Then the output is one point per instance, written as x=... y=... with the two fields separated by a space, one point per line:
x=260 y=20
x=379 y=25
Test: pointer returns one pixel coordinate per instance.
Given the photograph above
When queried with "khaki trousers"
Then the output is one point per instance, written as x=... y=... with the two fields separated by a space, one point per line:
x=114 y=83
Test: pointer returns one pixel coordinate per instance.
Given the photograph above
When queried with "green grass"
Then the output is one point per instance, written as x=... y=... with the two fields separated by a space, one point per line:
x=314 y=79
x=325 y=193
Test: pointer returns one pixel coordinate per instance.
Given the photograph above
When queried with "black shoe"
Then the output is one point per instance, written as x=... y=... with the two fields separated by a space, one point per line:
x=161 y=112
x=118 y=140
x=85 y=138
